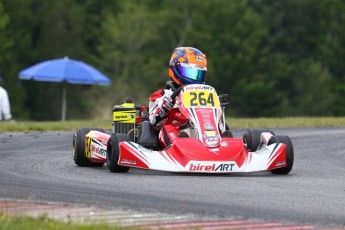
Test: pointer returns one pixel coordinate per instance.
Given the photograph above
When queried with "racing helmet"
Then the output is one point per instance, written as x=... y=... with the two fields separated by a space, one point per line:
x=188 y=65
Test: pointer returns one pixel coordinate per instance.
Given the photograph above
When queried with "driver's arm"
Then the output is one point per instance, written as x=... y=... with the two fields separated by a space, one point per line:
x=160 y=103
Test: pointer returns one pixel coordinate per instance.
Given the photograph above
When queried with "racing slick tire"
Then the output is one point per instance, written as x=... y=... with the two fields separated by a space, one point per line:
x=227 y=133
x=113 y=152
x=251 y=138
x=79 y=148
x=289 y=155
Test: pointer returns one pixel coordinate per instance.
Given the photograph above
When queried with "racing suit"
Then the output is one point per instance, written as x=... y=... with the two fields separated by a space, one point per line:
x=157 y=112
x=159 y=106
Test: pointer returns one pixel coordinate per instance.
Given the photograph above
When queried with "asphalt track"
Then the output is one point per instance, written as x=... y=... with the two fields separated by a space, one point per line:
x=39 y=166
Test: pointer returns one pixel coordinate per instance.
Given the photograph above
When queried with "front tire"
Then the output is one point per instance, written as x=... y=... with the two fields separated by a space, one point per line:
x=79 y=148
x=289 y=155
x=251 y=138
x=113 y=152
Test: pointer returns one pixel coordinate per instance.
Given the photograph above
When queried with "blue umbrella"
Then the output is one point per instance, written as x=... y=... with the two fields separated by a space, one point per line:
x=64 y=70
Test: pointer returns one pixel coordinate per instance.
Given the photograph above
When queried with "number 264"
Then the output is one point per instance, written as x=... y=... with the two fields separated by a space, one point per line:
x=201 y=99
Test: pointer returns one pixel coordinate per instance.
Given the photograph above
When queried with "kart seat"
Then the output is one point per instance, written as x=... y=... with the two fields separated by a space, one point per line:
x=147 y=138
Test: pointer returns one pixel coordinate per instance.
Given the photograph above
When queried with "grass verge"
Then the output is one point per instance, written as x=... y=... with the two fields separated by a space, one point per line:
x=286 y=122
x=43 y=222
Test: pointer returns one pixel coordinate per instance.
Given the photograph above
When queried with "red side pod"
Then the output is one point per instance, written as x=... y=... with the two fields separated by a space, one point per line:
x=102 y=137
x=278 y=158
x=131 y=156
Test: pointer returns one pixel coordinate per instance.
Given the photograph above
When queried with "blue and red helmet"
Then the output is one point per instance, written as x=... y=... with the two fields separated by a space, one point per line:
x=188 y=66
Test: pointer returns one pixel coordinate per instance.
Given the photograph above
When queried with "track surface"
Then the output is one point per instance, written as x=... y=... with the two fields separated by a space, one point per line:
x=39 y=166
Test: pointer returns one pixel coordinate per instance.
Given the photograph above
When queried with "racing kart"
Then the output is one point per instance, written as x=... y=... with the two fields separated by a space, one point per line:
x=201 y=140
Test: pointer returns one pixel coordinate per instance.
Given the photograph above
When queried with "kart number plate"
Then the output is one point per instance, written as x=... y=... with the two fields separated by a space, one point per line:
x=193 y=98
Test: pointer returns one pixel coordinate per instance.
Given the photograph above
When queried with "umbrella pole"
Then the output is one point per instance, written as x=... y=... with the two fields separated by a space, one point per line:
x=63 y=108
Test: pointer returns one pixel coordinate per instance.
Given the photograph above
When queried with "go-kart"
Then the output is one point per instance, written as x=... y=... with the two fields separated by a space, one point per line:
x=201 y=140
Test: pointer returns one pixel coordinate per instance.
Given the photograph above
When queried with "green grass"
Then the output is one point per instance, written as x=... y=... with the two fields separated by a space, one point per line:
x=24 y=126
x=45 y=223
x=286 y=122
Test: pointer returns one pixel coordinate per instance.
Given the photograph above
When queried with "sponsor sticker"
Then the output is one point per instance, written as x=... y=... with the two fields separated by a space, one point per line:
x=208 y=126
x=215 y=150
x=211 y=141
x=128 y=162
x=99 y=150
x=125 y=117
x=280 y=163
x=224 y=144
x=211 y=167
x=210 y=135
x=201 y=87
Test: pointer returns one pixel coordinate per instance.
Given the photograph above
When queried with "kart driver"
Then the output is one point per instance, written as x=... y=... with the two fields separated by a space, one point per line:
x=188 y=65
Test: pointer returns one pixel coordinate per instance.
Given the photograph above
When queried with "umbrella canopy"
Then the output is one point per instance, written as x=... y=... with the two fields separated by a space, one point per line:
x=64 y=70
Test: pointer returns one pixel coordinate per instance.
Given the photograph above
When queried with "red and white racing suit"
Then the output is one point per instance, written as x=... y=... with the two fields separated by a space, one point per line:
x=156 y=110
x=158 y=117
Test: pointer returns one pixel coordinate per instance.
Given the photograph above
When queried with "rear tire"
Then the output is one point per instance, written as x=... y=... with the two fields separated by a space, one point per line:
x=289 y=155
x=79 y=148
x=251 y=138
x=227 y=133
x=113 y=152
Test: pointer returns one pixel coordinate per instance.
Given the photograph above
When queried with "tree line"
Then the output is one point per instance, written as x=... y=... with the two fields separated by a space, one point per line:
x=274 y=58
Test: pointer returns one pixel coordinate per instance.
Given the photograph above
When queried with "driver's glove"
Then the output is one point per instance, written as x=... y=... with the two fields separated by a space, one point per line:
x=167 y=103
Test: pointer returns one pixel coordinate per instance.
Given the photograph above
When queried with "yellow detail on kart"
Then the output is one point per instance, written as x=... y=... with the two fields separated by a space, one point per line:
x=125 y=116
x=88 y=146
x=124 y=113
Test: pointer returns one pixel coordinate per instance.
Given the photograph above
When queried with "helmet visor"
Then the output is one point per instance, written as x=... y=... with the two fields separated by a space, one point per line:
x=195 y=74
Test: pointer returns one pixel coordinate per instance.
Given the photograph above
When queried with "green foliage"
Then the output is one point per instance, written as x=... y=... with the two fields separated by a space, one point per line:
x=5 y=43
x=275 y=58
x=125 y=44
